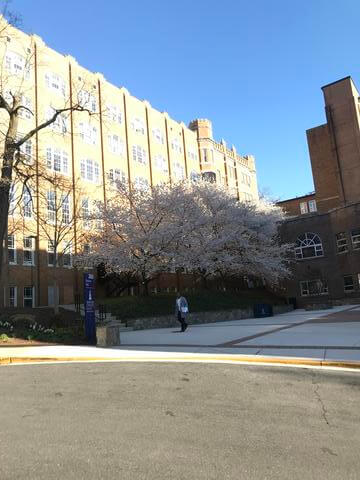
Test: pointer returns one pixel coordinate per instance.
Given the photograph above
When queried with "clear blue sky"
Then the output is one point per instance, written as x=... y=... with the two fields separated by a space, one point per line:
x=254 y=68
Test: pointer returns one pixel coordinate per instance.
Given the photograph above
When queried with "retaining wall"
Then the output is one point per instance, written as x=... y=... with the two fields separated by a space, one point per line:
x=200 y=317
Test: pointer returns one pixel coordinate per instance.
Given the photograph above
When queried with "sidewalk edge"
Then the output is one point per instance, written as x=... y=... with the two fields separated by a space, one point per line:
x=216 y=358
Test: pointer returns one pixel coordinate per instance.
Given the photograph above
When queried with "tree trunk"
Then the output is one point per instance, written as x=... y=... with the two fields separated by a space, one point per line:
x=4 y=202
x=5 y=182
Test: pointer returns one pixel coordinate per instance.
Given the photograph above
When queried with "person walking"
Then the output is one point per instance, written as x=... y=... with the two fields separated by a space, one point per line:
x=181 y=310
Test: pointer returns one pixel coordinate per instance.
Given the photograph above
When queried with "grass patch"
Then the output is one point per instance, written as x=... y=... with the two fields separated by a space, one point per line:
x=203 y=301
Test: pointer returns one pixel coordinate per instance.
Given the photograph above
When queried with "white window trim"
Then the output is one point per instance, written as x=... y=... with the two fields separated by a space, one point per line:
x=51 y=153
x=308 y=242
x=32 y=295
x=15 y=296
x=355 y=239
x=324 y=286
x=14 y=249
x=90 y=171
x=55 y=82
x=32 y=250
x=67 y=250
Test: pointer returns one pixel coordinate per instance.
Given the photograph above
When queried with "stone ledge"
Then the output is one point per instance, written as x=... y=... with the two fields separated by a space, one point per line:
x=169 y=321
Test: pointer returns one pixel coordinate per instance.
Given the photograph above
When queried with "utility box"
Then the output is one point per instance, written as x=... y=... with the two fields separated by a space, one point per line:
x=263 y=310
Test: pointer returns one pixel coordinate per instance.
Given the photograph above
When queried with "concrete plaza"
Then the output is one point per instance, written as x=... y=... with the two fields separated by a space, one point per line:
x=322 y=336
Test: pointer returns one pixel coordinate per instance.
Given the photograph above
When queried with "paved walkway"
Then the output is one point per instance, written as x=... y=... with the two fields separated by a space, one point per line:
x=314 y=337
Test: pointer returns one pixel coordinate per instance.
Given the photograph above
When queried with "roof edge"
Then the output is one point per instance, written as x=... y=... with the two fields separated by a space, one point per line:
x=336 y=81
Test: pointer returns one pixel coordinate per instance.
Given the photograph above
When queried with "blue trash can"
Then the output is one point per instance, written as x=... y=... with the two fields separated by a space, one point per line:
x=263 y=310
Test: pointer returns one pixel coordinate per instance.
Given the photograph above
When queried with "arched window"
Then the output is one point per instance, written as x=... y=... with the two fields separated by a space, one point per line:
x=308 y=245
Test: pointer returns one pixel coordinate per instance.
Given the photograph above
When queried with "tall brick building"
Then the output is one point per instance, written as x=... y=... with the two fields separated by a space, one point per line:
x=125 y=138
x=325 y=225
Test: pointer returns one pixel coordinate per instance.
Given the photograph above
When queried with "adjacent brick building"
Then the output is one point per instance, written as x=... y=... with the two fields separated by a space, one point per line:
x=325 y=224
x=126 y=138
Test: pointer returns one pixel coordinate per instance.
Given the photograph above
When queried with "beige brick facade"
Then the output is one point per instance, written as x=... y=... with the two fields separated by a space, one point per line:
x=125 y=137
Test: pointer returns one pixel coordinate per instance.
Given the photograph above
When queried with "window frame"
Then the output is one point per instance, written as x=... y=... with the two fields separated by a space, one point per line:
x=355 y=238
x=351 y=285
x=29 y=249
x=27 y=297
x=303 y=208
x=318 y=247
x=308 y=289
x=341 y=247
x=15 y=296
x=51 y=251
x=12 y=248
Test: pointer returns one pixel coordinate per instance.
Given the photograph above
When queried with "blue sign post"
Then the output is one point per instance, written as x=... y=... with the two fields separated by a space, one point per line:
x=89 y=305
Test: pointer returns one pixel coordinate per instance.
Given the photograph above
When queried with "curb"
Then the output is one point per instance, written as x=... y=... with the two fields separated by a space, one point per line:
x=280 y=361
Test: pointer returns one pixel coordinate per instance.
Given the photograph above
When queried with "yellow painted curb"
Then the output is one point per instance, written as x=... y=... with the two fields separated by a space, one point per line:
x=189 y=358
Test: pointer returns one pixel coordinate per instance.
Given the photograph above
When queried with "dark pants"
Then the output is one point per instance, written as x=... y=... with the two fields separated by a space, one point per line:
x=182 y=322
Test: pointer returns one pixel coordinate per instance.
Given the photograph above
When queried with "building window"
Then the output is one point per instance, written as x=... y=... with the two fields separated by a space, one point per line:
x=12 y=249
x=355 y=238
x=86 y=249
x=195 y=177
x=205 y=155
x=17 y=65
x=59 y=125
x=246 y=180
x=308 y=245
x=88 y=133
x=175 y=145
x=141 y=183
x=116 y=145
x=28 y=251
x=349 y=283
x=51 y=206
x=66 y=256
x=55 y=83
x=138 y=126
x=116 y=175
x=90 y=170
x=28 y=297
x=303 y=208
x=85 y=213
x=209 y=177
x=65 y=209
x=312 y=206
x=87 y=100
x=57 y=160
x=341 y=242
x=27 y=202
x=231 y=171
x=51 y=254
x=192 y=155
x=158 y=136
x=12 y=296
x=139 y=154
x=26 y=152
x=178 y=171
x=308 y=207
x=114 y=113
x=248 y=197
x=161 y=163
x=12 y=199
x=313 y=287
x=26 y=110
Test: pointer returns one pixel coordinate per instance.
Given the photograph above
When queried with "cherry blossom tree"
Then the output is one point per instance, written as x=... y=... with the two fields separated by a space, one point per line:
x=198 y=227
x=142 y=229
